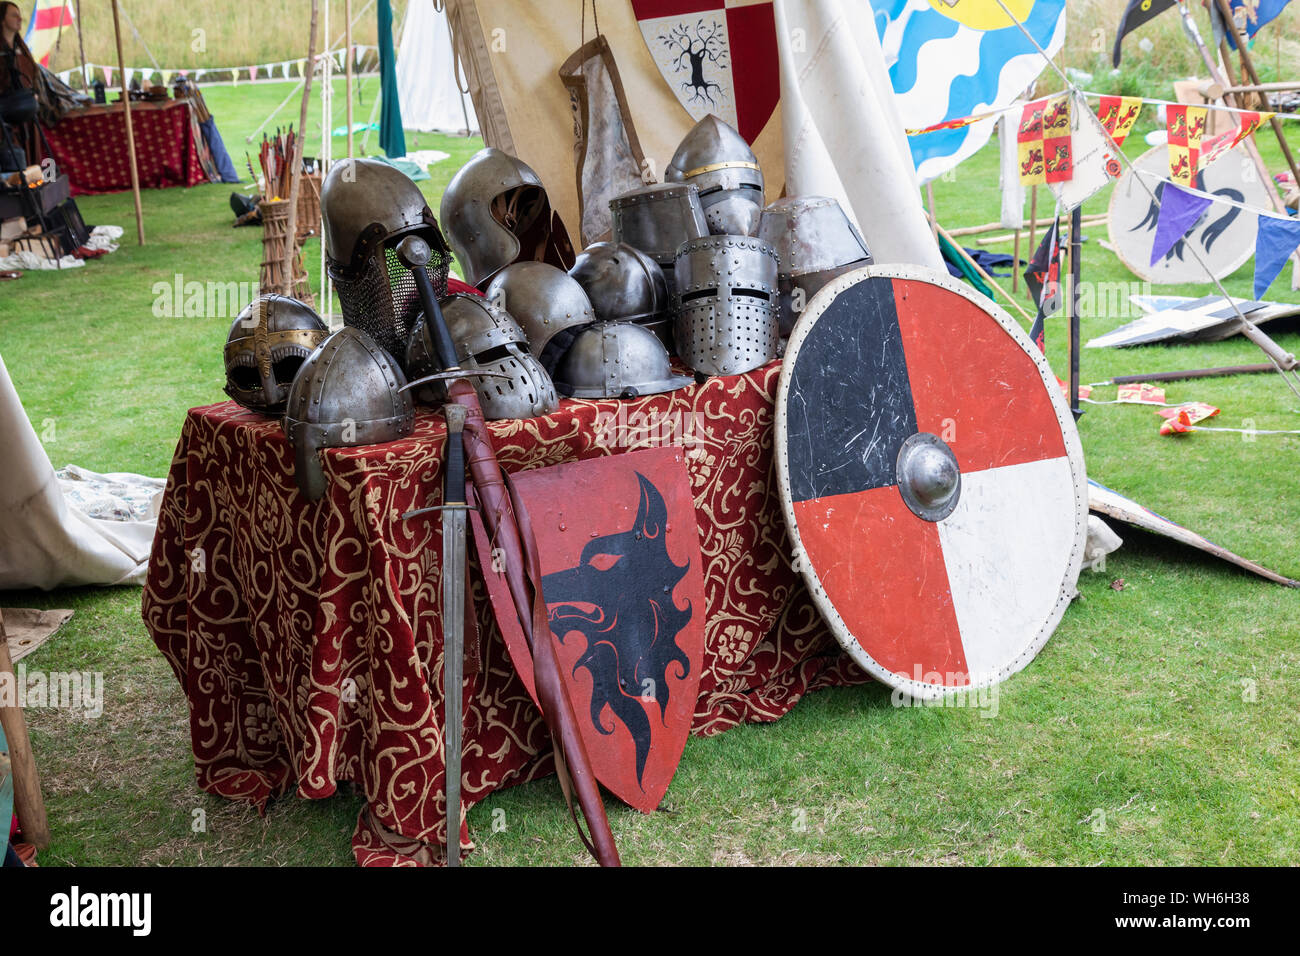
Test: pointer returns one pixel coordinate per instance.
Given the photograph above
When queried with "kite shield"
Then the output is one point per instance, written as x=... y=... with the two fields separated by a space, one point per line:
x=932 y=479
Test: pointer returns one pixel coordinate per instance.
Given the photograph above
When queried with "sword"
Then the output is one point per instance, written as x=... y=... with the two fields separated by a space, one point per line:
x=453 y=618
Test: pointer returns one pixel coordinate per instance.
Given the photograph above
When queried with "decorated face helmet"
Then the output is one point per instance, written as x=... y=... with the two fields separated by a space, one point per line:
x=487 y=339
x=368 y=208
x=496 y=212
x=716 y=158
x=549 y=306
x=268 y=342
x=348 y=392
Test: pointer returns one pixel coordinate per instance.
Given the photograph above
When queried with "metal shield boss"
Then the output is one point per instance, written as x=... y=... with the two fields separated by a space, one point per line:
x=623 y=584
x=726 y=304
x=932 y=479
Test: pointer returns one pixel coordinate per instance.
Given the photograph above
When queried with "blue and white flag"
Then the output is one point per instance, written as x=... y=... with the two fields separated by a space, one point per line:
x=949 y=60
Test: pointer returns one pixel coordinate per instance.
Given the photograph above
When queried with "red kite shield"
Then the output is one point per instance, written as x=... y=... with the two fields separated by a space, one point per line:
x=932 y=479
x=700 y=46
x=622 y=580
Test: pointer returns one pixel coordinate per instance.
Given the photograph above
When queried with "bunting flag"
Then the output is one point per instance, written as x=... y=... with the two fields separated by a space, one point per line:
x=1096 y=163
x=1137 y=13
x=1179 y=210
x=1216 y=147
x=1043 y=280
x=957 y=123
x=1258 y=13
x=167 y=77
x=1274 y=243
x=1186 y=127
x=1044 y=139
x=1179 y=421
x=284 y=69
x=1118 y=114
x=252 y=72
x=108 y=75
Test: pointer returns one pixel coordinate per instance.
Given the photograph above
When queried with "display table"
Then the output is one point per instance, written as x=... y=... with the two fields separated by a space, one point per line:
x=89 y=147
x=302 y=633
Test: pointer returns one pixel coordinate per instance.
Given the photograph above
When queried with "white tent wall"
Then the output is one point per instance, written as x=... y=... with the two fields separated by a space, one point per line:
x=427 y=82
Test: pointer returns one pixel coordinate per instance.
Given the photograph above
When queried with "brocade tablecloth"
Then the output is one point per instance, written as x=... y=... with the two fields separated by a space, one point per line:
x=89 y=146
x=302 y=633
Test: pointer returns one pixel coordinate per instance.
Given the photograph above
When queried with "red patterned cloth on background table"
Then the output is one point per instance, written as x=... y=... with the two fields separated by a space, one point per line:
x=89 y=147
x=308 y=640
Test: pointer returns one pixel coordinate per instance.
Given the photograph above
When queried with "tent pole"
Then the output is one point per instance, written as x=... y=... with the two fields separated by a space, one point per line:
x=295 y=171
x=81 y=44
x=130 y=133
x=347 y=43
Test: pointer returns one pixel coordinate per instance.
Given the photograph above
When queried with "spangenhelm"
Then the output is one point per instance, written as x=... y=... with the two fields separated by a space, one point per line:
x=815 y=242
x=268 y=342
x=617 y=360
x=496 y=212
x=716 y=158
x=549 y=306
x=658 y=218
x=487 y=339
x=369 y=207
x=625 y=285
x=725 y=307
x=348 y=392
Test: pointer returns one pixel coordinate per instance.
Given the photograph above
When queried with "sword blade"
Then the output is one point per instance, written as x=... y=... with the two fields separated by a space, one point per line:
x=453 y=656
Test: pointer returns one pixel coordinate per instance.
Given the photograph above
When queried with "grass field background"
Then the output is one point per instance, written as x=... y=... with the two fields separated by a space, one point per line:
x=1159 y=725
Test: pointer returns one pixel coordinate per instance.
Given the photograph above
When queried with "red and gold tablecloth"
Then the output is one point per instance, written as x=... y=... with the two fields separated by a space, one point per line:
x=302 y=633
x=89 y=147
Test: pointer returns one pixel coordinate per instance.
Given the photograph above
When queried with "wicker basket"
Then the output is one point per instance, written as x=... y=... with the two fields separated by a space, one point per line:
x=275 y=235
x=308 y=205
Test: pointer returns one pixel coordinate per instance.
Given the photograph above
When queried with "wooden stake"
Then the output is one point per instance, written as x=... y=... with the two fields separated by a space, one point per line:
x=130 y=133
x=1249 y=66
x=1033 y=219
x=1015 y=268
x=291 y=244
x=28 y=802
x=347 y=42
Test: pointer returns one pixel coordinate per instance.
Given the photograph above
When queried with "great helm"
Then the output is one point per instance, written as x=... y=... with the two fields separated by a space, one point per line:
x=268 y=342
x=487 y=339
x=348 y=392
x=815 y=242
x=625 y=285
x=726 y=320
x=617 y=360
x=549 y=306
x=496 y=211
x=715 y=158
x=658 y=218
x=369 y=207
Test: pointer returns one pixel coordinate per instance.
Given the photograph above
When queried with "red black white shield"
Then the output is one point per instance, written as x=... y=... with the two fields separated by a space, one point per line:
x=932 y=479
x=700 y=46
x=623 y=582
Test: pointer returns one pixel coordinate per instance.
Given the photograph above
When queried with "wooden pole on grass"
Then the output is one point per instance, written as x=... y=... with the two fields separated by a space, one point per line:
x=28 y=802
x=295 y=171
x=130 y=133
x=347 y=43
x=1249 y=65
x=1015 y=268
x=981 y=271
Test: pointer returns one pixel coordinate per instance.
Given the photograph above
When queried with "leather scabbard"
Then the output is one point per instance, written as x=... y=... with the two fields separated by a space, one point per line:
x=511 y=532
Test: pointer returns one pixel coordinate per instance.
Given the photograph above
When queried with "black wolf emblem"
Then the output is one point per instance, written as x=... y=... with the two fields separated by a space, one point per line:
x=620 y=597
x=1212 y=232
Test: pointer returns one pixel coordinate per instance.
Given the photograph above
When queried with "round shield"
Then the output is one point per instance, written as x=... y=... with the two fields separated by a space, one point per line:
x=1224 y=236
x=932 y=479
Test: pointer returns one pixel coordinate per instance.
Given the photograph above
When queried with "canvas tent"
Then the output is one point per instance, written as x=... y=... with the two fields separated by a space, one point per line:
x=429 y=84
x=844 y=142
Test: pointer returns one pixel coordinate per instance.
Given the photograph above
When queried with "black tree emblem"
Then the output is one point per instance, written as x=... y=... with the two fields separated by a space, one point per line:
x=694 y=47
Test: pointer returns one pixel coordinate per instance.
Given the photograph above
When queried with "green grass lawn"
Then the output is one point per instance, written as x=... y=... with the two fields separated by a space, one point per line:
x=1159 y=725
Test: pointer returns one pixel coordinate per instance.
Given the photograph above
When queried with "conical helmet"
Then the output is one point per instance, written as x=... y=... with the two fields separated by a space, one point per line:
x=549 y=306
x=496 y=211
x=617 y=360
x=348 y=392
x=716 y=158
x=486 y=339
x=368 y=208
x=268 y=342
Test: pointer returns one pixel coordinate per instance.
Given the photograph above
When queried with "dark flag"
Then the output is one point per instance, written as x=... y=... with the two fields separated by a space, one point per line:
x=1043 y=280
x=1137 y=13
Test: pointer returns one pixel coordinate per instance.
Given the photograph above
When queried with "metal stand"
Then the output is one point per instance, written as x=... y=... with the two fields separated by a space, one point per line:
x=1076 y=271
